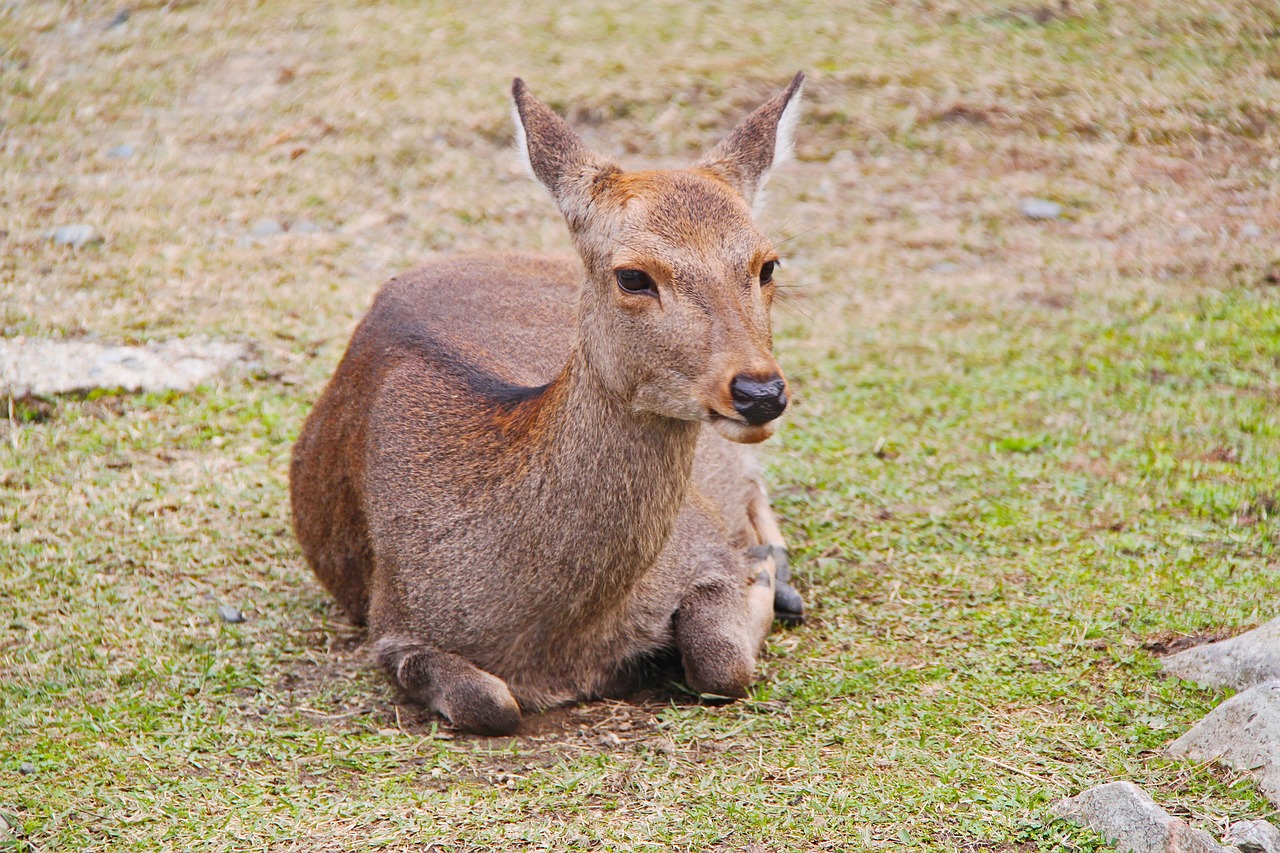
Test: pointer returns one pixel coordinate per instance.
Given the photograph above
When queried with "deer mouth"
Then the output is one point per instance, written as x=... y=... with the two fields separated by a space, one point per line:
x=737 y=430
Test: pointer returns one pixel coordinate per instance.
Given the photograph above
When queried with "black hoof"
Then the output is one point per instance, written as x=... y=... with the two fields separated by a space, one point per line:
x=788 y=606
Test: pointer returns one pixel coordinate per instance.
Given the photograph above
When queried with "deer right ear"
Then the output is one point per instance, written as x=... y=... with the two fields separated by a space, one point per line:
x=554 y=154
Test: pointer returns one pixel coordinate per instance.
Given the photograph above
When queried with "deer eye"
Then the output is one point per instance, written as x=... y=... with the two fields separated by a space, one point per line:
x=766 y=271
x=635 y=281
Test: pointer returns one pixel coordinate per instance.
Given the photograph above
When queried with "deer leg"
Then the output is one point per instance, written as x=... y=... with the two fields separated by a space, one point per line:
x=772 y=555
x=470 y=698
x=721 y=625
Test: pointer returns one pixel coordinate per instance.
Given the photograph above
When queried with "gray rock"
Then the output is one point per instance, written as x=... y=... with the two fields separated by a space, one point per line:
x=1123 y=813
x=26 y=768
x=76 y=236
x=1254 y=836
x=1242 y=733
x=266 y=228
x=1239 y=662
x=1040 y=208
x=121 y=18
x=52 y=366
x=120 y=152
x=1251 y=231
x=230 y=614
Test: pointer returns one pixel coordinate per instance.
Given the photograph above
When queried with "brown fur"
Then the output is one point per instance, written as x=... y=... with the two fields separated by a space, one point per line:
x=517 y=475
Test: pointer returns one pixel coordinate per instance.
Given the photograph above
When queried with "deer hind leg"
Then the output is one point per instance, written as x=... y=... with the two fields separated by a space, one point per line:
x=771 y=555
x=470 y=698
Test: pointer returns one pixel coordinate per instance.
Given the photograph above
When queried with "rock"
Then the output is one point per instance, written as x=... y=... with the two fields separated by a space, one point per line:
x=1242 y=733
x=43 y=366
x=1040 y=208
x=266 y=228
x=1254 y=836
x=26 y=768
x=76 y=236
x=230 y=614
x=1123 y=813
x=305 y=226
x=121 y=18
x=120 y=152
x=1251 y=231
x=944 y=268
x=1239 y=662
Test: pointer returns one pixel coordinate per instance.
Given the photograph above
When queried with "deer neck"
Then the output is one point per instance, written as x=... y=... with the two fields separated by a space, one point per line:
x=607 y=482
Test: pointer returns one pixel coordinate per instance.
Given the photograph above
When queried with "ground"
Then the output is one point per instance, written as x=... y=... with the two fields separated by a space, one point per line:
x=1025 y=456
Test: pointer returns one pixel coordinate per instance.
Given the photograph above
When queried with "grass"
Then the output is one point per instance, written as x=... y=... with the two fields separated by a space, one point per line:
x=1025 y=457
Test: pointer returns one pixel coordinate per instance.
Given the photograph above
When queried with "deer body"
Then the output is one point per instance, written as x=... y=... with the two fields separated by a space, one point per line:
x=519 y=475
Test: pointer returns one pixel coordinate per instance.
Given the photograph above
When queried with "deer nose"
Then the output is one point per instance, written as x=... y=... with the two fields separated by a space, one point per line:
x=758 y=401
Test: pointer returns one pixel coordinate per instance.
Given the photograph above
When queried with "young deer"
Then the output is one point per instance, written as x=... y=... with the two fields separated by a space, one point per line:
x=519 y=475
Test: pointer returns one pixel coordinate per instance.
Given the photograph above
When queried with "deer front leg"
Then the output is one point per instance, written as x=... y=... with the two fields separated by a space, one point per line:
x=721 y=625
x=772 y=554
x=470 y=698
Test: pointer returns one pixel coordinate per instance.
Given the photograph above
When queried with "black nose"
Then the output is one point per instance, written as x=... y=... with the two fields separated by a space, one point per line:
x=758 y=402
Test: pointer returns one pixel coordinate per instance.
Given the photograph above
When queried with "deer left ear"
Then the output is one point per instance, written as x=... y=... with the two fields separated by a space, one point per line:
x=763 y=140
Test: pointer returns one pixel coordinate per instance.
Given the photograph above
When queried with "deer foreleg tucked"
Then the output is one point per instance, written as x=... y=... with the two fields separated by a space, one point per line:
x=721 y=625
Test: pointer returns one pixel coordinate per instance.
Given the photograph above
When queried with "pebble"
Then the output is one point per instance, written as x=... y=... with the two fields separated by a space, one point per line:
x=1239 y=662
x=121 y=18
x=266 y=228
x=44 y=366
x=1244 y=734
x=1251 y=231
x=1254 y=836
x=305 y=226
x=1040 y=208
x=230 y=614
x=120 y=152
x=1126 y=815
x=76 y=236
x=26 y=768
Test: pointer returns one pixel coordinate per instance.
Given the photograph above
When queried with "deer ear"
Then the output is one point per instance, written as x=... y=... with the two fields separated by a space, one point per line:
x=553 y=153
x=763 y=140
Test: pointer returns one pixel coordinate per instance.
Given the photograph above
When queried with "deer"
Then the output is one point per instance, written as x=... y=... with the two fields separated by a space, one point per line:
x=529 y=475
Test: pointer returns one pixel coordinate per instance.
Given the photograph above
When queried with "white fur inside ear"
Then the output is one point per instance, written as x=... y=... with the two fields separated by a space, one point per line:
x=785 y=142
x=522 y=143
x=784 y=145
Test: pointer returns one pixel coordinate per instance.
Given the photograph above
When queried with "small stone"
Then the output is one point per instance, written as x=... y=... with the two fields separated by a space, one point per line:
x=121 y=18
x=1251 y=231
x=305 y=226
x=1040 y=208
x=120 y=152
x=76 y=236
x=1125 y=814
x=230 y=614
x=26 y=768
x=1240 y=662
x=1244 y=734
x=944 y=268
x=266 y=228
x=1254 y=836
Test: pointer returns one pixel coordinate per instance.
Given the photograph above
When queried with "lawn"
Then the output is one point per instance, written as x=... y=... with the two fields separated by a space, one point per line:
x=1025 y=456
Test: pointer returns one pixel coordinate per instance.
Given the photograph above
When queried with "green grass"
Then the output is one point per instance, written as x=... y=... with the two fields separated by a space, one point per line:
x=1006 y=487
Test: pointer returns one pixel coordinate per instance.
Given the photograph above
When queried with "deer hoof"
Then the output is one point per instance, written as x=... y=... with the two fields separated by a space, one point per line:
x=788 y=606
